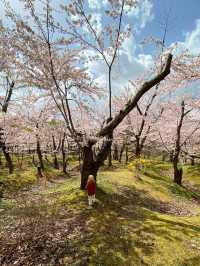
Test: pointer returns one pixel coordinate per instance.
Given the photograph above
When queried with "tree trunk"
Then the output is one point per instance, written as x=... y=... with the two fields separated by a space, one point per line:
x=192 y=160
x=56 y=164
x=46 y=158
x=110 y=158
x=64 y=157
x=137 y=148
x=8 y=159
x=121 y=153
x=33 y=160
x=178 y=172
x=126 y=154
x=163 y=157
x=1 y=191
x=6 y=154
x=39 y=154
x=39 y=170
x=90 y=165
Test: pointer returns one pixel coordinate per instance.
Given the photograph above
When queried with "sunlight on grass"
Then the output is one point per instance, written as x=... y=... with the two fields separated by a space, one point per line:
x=130 y=223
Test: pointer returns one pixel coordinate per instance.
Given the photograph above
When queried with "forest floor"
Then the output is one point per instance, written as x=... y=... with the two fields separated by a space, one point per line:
x=136 y=221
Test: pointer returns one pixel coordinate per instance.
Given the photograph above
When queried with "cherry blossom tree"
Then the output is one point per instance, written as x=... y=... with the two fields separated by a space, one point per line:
x=50 y=60
x=6 y=85
x=176 y=129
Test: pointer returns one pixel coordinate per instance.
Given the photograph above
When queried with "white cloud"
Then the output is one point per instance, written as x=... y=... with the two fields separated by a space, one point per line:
x=128 y=48
x=145 y=60
x=128 y=66
x=142 y=12
x=192 y=40
x=146 y=15
x=94 y=4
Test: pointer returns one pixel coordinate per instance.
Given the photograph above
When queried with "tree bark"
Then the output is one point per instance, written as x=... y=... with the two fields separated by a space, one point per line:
x=90 y=165
x=1 y=191
x=109 y=158
x=192 y=160
x=39 y=154
x=178 y=172
x=55 y=161
x=6 y=154
x=64 y=156
x=137 y=148
x=126 y=154
x=8 y=159
x=121 y=152
x=163 y=156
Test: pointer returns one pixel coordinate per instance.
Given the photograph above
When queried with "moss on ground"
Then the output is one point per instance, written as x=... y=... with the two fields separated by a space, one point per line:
x=135 y=221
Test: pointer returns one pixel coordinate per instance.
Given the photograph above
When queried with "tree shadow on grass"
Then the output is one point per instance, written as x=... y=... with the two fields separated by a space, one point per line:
x=122 y=226
x=121 y=229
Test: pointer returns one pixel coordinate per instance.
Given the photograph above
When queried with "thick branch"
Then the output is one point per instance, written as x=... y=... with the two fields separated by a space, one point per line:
x=133 y=102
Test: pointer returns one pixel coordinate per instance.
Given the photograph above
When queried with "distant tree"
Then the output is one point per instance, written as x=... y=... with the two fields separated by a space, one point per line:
x=175 y=130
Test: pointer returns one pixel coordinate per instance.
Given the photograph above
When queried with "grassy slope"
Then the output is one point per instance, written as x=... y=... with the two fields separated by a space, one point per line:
x=146 y=221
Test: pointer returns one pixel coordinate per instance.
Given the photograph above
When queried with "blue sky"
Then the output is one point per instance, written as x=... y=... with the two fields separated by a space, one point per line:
x=183 y=14
x=184 y=28
x=182 y=18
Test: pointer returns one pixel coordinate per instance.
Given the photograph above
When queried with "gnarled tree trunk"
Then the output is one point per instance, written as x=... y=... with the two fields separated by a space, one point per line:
x=91 y=163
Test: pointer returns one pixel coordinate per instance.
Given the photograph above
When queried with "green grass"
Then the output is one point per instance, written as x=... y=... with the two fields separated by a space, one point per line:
x=25 y=175
x=18 y=180
x=146 y=221
x=192 y=174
